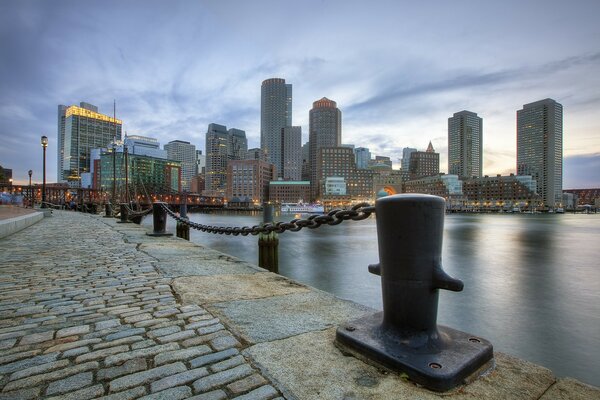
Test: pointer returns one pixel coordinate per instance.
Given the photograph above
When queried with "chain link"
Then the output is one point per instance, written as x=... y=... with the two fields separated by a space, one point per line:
x=334 y=217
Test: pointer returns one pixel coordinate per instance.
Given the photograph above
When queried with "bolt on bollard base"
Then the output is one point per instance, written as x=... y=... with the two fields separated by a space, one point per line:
x=405 y=337
x=159 y=219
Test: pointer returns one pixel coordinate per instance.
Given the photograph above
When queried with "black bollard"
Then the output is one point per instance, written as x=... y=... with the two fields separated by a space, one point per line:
x=159 y=217
x=405 y=337
x=124 y=214
x=183 y=229
x=268 y=244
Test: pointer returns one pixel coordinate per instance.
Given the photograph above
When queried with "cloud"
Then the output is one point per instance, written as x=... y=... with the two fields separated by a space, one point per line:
x=581 y=171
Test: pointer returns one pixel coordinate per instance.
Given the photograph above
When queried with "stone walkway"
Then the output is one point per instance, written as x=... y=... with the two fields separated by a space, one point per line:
x=84 y=315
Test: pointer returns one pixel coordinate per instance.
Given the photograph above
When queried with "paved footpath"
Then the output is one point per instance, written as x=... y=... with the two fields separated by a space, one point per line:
x=84 y=315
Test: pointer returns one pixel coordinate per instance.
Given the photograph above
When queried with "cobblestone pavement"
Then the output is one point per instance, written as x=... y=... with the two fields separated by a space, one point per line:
x=84 y=315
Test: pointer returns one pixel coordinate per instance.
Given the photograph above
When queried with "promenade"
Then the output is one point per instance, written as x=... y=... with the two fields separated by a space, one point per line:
x=90 y=308
x=83 y=315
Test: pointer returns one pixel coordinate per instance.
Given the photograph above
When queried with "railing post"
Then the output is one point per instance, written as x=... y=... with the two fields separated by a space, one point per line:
x=159 y=217
x=405 y=336
x=183 y=229
x=108 y=211
x=268 y=244
x=124 y=214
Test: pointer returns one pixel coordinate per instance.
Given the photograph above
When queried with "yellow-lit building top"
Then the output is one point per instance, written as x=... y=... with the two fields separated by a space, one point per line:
x=82 y=112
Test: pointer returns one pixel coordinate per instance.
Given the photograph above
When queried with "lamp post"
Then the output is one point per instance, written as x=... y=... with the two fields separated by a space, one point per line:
x=44 y=142
x=30 y=172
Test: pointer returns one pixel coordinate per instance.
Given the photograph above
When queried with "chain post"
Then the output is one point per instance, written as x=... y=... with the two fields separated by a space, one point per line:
x=405 y=336
x=159 y=219
x=182 y=228
x=124 y=214
x=268 y=243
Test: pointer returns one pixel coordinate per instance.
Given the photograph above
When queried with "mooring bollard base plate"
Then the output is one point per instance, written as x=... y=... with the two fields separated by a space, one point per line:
x=438 y=369
x=159 y=234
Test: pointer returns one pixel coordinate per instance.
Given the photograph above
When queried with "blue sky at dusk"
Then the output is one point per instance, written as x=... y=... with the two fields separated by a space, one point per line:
x=397 y=70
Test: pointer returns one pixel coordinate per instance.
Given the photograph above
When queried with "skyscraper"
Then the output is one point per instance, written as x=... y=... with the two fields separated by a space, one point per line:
x=222 y=145
x=325 y=130
x=362 y=156
x=406 y=152
x=291 y=150
x=275 y=114
x=81 y=129
x=185 y=153
x=540 y=148
x=465 y=145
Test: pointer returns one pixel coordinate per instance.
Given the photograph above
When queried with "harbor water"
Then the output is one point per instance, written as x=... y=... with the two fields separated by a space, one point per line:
x=531 y=281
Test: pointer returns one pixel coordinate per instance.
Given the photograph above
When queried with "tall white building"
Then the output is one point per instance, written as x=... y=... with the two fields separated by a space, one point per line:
x=185 y=153
x=275 y=114
x=465 y=145
x=540 y=148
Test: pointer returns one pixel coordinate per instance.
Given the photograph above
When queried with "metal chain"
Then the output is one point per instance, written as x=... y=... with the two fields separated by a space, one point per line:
x=358 y=212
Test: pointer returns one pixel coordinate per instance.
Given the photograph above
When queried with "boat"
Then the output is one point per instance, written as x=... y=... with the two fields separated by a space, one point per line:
x=302 y=208
x=560 y=210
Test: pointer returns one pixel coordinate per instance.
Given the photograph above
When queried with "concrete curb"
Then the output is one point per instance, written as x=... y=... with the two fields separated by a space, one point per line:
x=13 y=225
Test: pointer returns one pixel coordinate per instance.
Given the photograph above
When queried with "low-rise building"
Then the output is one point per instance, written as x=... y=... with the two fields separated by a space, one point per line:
x=501 y=192
x=447 y=186
x=289 y=191
x=249 y=179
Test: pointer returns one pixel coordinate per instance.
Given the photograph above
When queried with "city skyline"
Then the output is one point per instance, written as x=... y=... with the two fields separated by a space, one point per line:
x=394 y=84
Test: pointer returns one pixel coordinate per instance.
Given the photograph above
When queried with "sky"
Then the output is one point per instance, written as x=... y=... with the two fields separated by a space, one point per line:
x=397 y=70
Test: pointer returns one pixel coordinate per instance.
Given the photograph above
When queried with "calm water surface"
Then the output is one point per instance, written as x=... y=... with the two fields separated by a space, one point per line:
x=532 y=282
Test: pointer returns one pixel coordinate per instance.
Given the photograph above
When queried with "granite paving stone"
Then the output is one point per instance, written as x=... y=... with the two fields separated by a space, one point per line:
x=88 y=314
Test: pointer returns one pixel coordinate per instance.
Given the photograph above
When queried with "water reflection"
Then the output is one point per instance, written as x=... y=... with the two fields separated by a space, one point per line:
x=532 y=282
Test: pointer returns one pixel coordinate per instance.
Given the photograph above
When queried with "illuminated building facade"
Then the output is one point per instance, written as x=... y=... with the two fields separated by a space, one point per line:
x=465 y=144
x=447 y=186
x=540 y=148
x=339 y=162
x=501 y=191
x=144 y=173
x=81 y=129
x=275 y=114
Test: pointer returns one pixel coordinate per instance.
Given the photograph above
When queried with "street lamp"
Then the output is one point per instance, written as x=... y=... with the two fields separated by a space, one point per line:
x=30 y=172
x=44 y=142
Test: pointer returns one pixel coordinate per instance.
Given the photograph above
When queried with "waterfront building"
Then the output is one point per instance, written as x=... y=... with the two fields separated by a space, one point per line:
x=145 y=174
x=80 y=129
x=291 y=150
x=540 y=148
x=362 y=156
x=424 y=163
x=325 y=130
x=339 y=162
x=335 y=186
x=447 y=186
x=388 y=180
x=465 y=144
x=588 y=197
x=275 y=114
x=248 y=180
x=185 y=153
x=144 y=146
x=501 y=192
x=256 y=154
x=222 y=146
x=289 y=191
